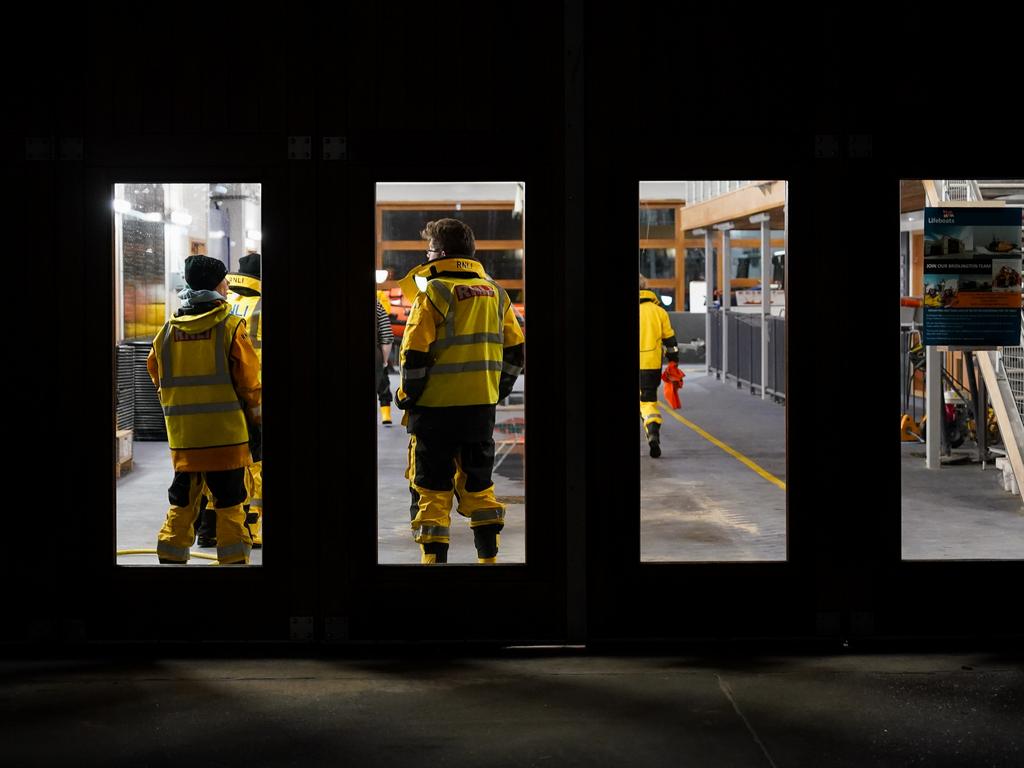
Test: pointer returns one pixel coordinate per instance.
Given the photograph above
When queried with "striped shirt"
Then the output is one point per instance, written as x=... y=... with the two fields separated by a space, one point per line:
x=384 y=332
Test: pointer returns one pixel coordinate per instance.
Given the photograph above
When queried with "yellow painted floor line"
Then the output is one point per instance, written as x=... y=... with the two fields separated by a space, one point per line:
x=731 y=451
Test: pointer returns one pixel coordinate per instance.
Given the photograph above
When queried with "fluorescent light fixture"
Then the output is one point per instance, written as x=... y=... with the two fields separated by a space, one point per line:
x=380 y=275
x=216 y=234
x=700 y=231
x=421 y=282
x=757 y=218
x=666 y=300
x=910 y=218
x=220 y=189
x=153 y=216
x=122 y=206
x=181 y=218
x=724 y=227
x=254 y=234
x=779 y=253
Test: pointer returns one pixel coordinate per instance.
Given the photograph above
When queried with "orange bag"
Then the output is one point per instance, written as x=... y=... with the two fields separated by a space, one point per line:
x=673 y=379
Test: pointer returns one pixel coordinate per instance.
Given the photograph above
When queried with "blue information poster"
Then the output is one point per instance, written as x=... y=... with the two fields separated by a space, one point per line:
x=972 y=276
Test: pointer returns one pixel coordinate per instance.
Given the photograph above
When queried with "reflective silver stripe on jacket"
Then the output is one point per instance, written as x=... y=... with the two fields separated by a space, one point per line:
x=511 y=370
x=221 y=376
x=190 y=410
x=432 y=531
x=467 y=338
x=171 y=552
x=449 y=315
x=413 y=373
x=487 y=515
x=501 y=295
x=256 y=503
x=233 y=550
x=472 y=365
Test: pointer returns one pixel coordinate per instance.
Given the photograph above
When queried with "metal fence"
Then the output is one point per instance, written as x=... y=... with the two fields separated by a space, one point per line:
x=699 y=191
x=1013 y=363
x=960 y=190
x=744 y=363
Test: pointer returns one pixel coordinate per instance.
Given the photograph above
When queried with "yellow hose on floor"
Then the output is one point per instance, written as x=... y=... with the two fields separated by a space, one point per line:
x=200 y=555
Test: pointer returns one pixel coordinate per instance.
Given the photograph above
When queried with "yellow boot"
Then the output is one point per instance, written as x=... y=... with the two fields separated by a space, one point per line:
x=385 y=415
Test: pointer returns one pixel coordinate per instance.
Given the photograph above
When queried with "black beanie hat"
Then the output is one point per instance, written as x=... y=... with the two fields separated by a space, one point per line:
x=203 y=273
x=250 y=265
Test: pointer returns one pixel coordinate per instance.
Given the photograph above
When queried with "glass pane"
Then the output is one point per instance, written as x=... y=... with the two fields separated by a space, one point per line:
x=492 y=224
x=746 y=263
x=667 y=298
x=713 y=465
x=430 y=488
x=169 y=329
x=961 y=267
x=658 y=263
x=694 y=273
x=398 y=263
x=503 y=265
x=657 y=223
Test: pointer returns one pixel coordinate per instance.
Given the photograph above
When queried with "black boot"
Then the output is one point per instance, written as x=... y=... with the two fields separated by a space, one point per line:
x=207 y=531
x=437 y=549
x=252 y=519
x=654 y=439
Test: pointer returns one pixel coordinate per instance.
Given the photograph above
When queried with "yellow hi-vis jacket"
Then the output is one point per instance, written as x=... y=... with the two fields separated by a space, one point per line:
x=654 y=329
x=193 y=359
x=245 y=297
x=463 y=320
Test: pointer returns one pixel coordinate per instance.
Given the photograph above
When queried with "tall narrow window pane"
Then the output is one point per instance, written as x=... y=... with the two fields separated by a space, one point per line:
x=961 y=369
x=188 y=337
x=450 y=327
x=712 y=373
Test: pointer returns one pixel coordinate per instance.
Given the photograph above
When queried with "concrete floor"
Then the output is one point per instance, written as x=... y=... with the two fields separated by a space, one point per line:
x=395 y=545
x=699 y=503
x=142 y=506
x=524 y=709
x=957 y=512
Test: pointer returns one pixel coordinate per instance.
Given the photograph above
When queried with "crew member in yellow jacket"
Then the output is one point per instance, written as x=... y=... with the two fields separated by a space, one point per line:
x=245 y=296
x=207 y=376
x=655 y=332
x=461 y=353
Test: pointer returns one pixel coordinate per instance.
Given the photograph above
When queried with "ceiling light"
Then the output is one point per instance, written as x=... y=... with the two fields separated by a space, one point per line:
x=380 y=276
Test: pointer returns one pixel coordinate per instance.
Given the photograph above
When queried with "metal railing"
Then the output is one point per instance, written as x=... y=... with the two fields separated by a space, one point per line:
x=963 y=190
x=699 y=191
x=1013 y=363
x=744 y=364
